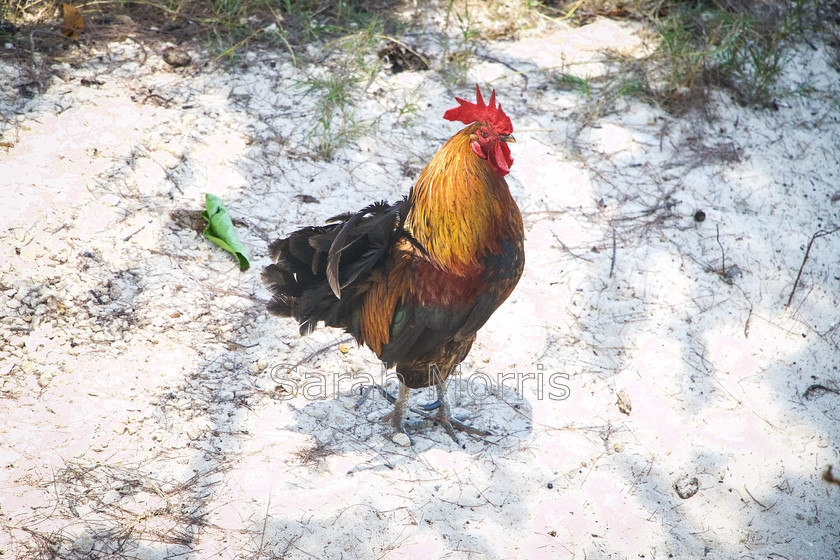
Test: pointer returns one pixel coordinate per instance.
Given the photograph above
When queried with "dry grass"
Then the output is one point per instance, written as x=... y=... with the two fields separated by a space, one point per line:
x=110 y=511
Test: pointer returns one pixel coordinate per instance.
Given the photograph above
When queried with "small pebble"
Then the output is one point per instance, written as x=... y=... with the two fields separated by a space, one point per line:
x=687 y=486
x=732 y=273
x=316 y=413
x=84 y=543
x=176 y=57
x=401 y=439
x=110 y=497
x=193 y=432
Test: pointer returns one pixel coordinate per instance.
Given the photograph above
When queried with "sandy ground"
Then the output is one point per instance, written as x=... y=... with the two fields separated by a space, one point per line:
x=147 y=396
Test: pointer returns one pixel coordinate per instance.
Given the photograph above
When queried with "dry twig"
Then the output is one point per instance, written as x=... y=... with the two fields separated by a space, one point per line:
x=817 y=235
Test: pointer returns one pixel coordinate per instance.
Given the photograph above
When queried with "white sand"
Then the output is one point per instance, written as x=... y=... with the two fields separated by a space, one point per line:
x=140 y=370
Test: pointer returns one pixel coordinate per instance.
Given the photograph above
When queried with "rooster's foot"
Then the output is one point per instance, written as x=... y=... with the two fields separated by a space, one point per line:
x=449 y=422
x=443 y=417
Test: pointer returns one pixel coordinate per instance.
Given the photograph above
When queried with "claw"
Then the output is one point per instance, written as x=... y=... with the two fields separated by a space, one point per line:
x=450 y=423
x=461 y=427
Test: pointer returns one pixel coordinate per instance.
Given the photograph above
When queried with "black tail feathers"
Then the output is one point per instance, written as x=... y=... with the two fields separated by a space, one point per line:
x=319 y=272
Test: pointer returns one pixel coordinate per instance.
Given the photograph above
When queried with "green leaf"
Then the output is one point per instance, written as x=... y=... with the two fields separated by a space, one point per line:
x=220 y=229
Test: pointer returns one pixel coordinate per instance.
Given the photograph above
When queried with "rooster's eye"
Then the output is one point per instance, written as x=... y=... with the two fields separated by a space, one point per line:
x=484 y=134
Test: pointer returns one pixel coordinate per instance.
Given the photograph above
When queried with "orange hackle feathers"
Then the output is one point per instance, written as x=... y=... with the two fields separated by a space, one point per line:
x=458 y=206
x=491 y=114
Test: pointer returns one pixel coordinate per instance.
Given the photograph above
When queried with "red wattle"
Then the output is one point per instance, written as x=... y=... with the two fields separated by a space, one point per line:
x=500 y=159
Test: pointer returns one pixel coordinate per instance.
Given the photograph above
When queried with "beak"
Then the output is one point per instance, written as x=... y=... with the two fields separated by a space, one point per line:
x=508 y=138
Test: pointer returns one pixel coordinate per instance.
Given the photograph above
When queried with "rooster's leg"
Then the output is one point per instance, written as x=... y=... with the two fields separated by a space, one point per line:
x=450 y=424
x=392 y=399
x=400 y=409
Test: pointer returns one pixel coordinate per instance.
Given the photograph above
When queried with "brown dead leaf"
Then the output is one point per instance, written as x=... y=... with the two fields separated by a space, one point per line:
x=829 y=477
x=624 y=405
x=74 y=22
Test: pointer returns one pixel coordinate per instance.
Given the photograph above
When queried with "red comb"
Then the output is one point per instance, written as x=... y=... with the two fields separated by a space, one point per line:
x=491 y=114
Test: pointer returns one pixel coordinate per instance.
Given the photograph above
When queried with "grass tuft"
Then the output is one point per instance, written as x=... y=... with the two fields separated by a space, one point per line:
x=336 y=82
x=458 y=51
x=739 y=45
x=742 y=46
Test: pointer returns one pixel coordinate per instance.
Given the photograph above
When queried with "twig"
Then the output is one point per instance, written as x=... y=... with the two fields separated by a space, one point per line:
x=612 y=260
x=230 y=50
x=653 y=209
x=406 y=47
x=318 y=352
x=265 y=523
x=240 y=345
x=820 y=233
x=566 y=248
x=165 y=101
x=722 y=252
x=755 y=500
x=35 y=73
x=817 y=390
x=509 y=67
x=571 y=12
x=279 y=21
x=747 y=323
x=132 y=234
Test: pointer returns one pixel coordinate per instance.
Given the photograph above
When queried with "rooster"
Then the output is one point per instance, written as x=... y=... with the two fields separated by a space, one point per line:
x=414 y=281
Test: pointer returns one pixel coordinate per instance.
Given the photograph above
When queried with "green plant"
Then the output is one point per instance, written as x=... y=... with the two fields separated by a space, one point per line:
x=570 y=82
x=331 y=18
x=227 y=11
x=457 y=55
x=336 y=123
x=409 y=109
x=630 y=86
x=733 y=45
